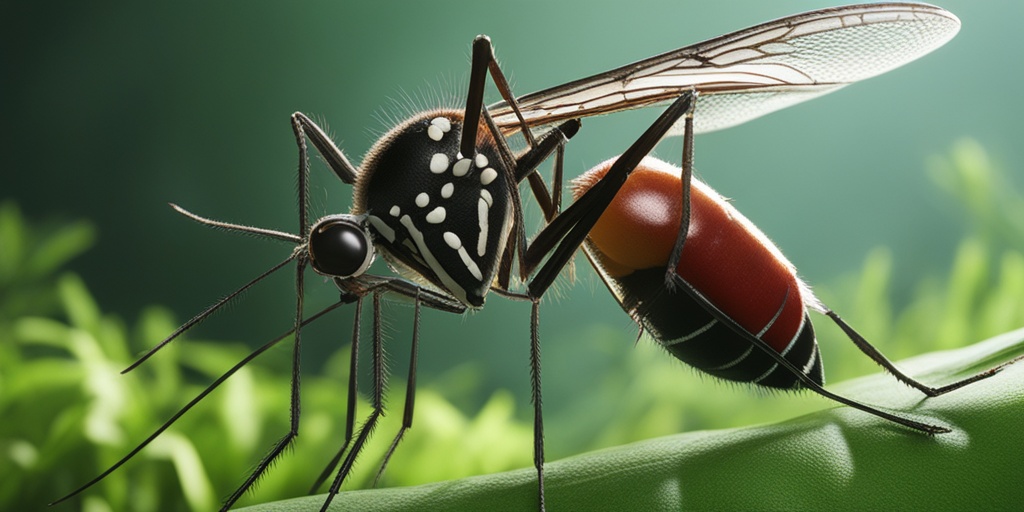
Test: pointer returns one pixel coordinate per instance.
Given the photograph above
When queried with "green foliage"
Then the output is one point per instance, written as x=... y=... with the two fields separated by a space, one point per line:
x=29 y=259
x=69 y=414
x=836 y=459
x=979 y=297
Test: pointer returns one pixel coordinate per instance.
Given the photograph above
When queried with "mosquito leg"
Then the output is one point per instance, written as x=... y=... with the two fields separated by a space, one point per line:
x=376 y=402
x=206 y=313
x=484 y=43
x=293 y=430
x=357 y=288
x=535 y=387
x=353 y=383
x=410 y=392
x=430 y=299
x=804 y=379
x=334 y=157
x=556 y=194
x=551 y=142
x=198 y=398
x=345 y=171
x=556 y=180
x=877 y=356
x=484 y=61
x=301 y=126
x=524 y=166
x=686 y=178
x=474 y=101
x=564 y=234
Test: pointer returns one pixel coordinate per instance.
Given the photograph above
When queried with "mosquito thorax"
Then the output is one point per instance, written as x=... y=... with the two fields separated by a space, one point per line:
x=442 y=215
x=340 y=246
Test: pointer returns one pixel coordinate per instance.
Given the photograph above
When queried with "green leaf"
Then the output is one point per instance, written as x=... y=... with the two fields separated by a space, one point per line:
x=60 y=247
x=837 y=459
x=12 y=240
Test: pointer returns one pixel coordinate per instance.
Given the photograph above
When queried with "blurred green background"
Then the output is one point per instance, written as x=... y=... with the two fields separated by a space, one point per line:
x=112 y=111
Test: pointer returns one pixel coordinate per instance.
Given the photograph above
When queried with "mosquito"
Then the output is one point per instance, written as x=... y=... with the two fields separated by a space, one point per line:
x=438 y=197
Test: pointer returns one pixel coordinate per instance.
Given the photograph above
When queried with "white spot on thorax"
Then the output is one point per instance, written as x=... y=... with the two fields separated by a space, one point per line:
x=461 y=168
x=422 y=200
x=452 y=240
x=447 y=190
x=443 y=123
x=438 y=127
x=480 y=160
x=395 y=211
x=438 y=163
x=436 y=216
x=488 y=176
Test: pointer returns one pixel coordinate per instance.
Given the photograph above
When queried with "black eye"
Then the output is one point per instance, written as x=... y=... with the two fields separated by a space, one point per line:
x=340 y=248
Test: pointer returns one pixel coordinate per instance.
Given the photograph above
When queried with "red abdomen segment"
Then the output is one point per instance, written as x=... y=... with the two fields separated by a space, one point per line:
x=726 y=258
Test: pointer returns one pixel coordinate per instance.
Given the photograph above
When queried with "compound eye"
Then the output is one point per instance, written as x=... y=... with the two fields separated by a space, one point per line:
x=340 y=248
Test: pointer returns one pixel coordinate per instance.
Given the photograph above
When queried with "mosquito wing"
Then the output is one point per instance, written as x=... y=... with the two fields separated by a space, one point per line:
x=747 y=74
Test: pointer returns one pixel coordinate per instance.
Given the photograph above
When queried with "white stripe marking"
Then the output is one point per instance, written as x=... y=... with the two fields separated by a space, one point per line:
x=470 y=264
x=765 y=374
x=692 y=335
x=454 y=242
x=734 y=362
x=432 y=262
x=810 y=362
x=382 y=228
x=792 y=343
x=481 y=210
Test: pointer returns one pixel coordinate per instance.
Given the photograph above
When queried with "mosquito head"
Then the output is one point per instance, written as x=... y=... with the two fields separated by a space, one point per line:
x=340 y=246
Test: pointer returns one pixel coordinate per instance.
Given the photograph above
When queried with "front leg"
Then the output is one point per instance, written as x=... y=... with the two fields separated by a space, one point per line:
x=377 y=286
x=522 y=166
x=484 y=62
